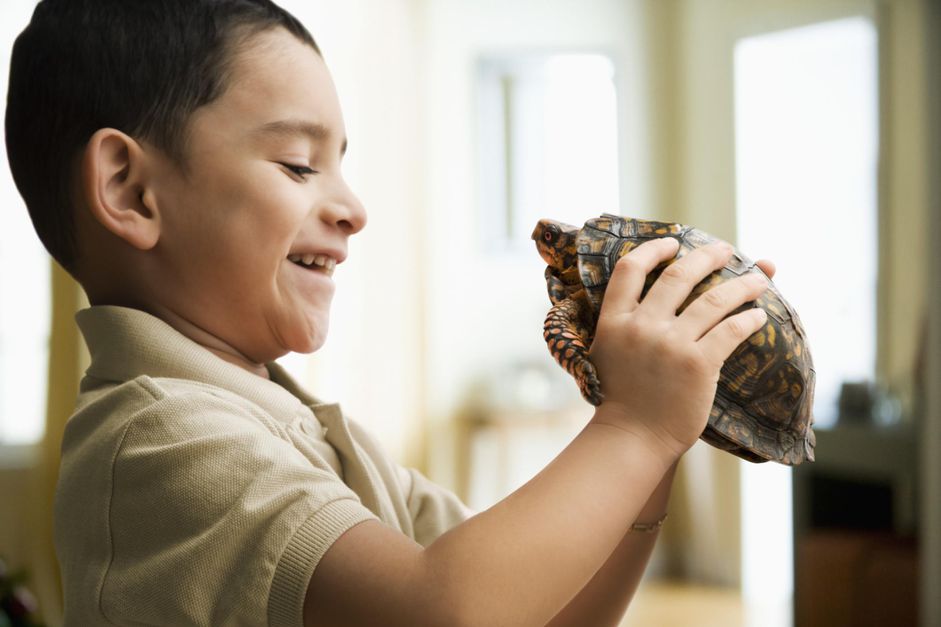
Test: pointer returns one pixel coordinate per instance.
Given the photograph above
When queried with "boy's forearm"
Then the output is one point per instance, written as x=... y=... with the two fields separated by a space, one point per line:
x=507 y=564
x=604 y=600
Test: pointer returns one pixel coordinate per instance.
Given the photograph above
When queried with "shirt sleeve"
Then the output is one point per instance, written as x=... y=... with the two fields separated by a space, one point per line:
x=215 y=519
x=432 y=508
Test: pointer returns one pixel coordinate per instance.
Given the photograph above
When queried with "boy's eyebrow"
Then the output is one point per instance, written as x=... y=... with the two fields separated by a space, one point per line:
x=293 y=127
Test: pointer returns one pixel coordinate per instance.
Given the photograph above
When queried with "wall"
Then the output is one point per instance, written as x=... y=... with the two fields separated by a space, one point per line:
x=905 y=179
x=930 y=553
x=16 y=486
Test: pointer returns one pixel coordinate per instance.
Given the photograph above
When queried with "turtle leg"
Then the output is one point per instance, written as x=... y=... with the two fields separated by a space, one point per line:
x=557 y=291
x=569 y=336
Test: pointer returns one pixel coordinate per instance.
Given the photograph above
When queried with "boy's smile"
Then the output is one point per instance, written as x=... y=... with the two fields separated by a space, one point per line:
x=250 y=236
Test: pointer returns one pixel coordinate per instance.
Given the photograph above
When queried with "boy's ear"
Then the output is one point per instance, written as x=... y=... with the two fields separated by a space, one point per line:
x=114 y=185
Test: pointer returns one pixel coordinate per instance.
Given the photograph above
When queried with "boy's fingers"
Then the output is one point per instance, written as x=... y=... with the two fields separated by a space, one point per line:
x=767 y=266
x=715 y=304
x=627 y=281
x=719 y=343
x=676 y=282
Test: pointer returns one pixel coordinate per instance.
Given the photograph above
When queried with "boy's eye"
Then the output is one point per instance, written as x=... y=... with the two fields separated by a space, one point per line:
x=300 y=170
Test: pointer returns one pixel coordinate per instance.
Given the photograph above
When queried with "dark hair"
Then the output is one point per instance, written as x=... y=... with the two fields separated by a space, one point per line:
x=139 y=66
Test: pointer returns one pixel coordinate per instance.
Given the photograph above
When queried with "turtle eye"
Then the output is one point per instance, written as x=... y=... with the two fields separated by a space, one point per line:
x=548 y=236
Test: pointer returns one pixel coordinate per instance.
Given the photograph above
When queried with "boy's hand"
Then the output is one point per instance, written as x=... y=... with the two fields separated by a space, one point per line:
x=658 y=370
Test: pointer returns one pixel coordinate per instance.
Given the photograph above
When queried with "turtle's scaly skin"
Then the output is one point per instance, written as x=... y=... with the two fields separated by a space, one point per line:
x=568 y=332
x=763 y=405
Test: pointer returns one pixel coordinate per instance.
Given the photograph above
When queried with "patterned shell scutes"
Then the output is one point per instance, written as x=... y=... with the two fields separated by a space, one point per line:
x=602 y=241
x=763 y=404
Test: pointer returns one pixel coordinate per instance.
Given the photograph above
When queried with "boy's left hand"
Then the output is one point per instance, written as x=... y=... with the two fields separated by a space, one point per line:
x=767 y=267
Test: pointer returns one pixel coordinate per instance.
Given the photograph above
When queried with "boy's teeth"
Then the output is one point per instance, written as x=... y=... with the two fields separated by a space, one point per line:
x=328 y=263
x=322 y=261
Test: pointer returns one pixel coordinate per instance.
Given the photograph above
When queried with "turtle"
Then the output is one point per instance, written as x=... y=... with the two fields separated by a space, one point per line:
x=763 y=408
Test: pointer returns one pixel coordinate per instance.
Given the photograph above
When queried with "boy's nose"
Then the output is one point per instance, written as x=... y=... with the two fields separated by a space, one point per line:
x=346 y=211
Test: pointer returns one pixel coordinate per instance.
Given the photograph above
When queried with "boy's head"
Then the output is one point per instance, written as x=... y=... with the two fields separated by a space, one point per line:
x=140 y=66
x=156 y=145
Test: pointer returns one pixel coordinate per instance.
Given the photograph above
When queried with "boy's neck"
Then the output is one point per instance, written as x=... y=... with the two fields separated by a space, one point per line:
x=260 y=369
x=207 y=340
x=217 y=346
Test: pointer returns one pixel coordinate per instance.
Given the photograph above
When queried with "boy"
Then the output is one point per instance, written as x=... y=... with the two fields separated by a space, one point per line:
x=181 y=159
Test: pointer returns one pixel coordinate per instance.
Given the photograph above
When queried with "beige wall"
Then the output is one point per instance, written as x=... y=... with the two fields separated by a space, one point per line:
x=904 y=202
x=18 y=493
x=930 y=553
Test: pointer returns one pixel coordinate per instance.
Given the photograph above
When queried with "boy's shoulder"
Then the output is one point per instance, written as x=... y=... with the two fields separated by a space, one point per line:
x=188 y=470
x=107 y=405
x=147 y=380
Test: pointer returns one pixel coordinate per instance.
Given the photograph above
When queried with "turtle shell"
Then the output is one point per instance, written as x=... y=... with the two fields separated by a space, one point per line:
x=764 y=398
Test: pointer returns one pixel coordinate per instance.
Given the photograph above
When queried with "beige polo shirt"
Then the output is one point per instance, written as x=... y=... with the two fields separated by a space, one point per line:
x=193 y=492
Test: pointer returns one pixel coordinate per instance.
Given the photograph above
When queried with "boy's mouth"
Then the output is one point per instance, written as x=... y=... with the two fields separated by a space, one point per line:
x=321 y=263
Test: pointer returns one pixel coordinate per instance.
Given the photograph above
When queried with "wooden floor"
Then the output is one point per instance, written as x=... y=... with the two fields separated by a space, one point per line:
x=665 y=604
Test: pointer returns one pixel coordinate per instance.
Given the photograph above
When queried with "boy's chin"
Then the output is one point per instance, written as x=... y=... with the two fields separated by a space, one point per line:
x=309 y=348
x=311 y=341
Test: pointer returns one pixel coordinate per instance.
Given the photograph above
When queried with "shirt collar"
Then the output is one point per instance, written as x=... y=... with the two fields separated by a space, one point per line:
x=126 y=343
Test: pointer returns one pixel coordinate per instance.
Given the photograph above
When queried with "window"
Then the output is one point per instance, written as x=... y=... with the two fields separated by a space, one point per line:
x=806 y=124
x=24 y=285
x=548 y=139
x=24 y=321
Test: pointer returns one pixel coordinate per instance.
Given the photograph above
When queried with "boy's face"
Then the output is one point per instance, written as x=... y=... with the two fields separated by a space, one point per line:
x=231 y=228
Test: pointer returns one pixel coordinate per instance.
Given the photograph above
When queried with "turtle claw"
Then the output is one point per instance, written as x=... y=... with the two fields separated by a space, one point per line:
x=588 y=382
x=566 y=334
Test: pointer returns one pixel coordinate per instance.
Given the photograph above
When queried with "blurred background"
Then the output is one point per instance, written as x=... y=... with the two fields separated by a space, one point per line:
x=804 y=131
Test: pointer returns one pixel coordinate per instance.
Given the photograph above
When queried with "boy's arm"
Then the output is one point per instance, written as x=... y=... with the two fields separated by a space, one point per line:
x=518 y=563
x=526 y=558
x=604 y=600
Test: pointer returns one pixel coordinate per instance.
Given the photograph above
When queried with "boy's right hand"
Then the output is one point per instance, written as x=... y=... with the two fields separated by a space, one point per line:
x=659 y=370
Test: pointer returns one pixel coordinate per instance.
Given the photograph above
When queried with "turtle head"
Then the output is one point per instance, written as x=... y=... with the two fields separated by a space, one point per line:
x=555 y=242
